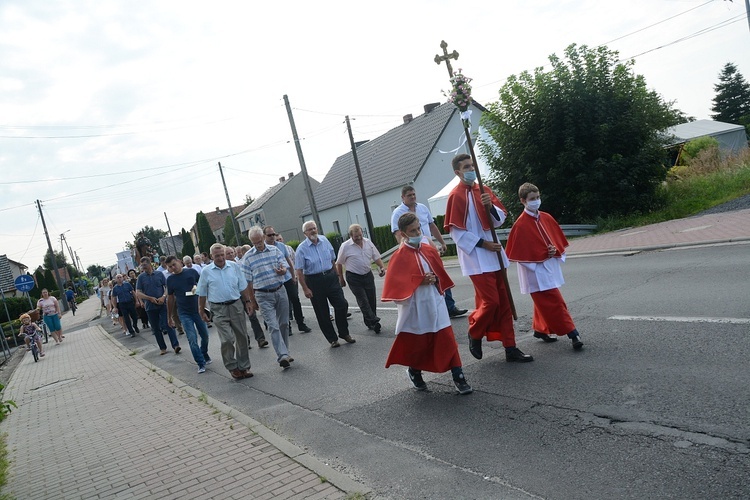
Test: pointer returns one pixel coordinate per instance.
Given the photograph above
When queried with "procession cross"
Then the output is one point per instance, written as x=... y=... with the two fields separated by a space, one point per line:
x=446 y=57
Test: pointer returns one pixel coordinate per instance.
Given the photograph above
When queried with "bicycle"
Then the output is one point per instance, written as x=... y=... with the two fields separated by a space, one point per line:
x=34 y=348
x=36 y=317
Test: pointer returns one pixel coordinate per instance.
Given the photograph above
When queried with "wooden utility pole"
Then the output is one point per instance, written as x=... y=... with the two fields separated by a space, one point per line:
x=504 y=271
x=171 y=238
x=305 y=177
x=370 y=229
x=54 y=259
x=231 y=212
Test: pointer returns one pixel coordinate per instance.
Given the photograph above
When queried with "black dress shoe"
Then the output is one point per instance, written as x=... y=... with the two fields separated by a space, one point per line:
x=475 y=347
x=515 y=354
x=544 y=337
x=304 y=328
x=577 y=343
x=456 y=312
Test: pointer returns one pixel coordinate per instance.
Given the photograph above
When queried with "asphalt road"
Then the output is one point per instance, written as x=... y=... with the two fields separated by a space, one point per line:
x=657 y=405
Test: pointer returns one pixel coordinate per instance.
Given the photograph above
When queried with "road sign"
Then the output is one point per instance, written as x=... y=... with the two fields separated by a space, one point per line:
x=24 y=283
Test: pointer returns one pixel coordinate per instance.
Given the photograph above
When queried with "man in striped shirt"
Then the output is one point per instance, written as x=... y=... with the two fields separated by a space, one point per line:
x=264 y=268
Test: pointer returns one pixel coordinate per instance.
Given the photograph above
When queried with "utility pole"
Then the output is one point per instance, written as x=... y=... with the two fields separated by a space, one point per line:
x=359 y=178
x=64 y=243
x=231 y=212
x=305 y=177
x=171 y=238
x=52 y=255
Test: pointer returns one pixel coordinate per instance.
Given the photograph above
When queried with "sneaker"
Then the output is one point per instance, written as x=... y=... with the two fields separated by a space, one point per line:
x=127 y=334
x=136 y=330
x=201 y=369
x=349 y=339
x=303 y=328
x=335 y=343
x=262 y=343
x=416 y=379
x=177 y=350
x=163 y=352
x=284 y=363
x=462 y=386
x=208 y=360
x=41 y=354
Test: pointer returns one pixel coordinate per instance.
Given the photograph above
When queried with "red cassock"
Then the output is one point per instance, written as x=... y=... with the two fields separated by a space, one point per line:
x=457 y=208
x=433 y=351
x=529 y=237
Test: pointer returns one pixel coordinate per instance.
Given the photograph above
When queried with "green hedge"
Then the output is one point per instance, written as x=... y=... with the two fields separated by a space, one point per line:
x=16 y=307
x=383 y=238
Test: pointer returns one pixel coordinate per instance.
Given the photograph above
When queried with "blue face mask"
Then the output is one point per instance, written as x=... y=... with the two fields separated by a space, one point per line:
x=415 y=240
x=470 y=176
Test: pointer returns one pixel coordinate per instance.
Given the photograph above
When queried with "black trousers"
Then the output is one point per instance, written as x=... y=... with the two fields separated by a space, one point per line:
x=325 y=289
x=127 y=311
x=295 y=306
x=363 y=288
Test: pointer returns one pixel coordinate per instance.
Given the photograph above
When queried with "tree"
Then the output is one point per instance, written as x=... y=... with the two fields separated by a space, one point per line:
x=206 y=237
x=229 y=236
x=732 y=101
x=96 y=271
x=49 y=282
x=248 y=200
x=586 y=133
x=59 y=258
x=187 y=243
x=152 y=234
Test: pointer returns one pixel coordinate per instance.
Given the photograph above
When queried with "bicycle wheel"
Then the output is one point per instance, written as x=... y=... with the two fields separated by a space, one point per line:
x=46 y=332
x=35 y=351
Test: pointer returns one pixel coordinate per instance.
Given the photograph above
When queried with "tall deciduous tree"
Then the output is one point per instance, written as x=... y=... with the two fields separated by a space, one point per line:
x=206 y=237
x=585 y=132
x=59 y=258
x=187 y=243
x=732 y=101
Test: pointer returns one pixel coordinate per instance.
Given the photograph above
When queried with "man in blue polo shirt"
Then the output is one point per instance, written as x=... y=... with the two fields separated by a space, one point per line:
x=151 y=288
x=123 y=296
x=314 y=261
x=183 y=301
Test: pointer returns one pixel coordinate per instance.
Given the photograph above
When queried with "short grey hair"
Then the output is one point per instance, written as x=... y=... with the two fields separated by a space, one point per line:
x=307 y=223
x=255 y=230
x=187 y=260
x=353 y=227
x=216 y=245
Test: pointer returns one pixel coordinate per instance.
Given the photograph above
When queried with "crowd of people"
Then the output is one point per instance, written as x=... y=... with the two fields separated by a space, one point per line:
x=229 y=286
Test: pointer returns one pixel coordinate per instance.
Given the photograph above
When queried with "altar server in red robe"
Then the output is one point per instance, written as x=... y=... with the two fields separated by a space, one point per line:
x=416 y=282
x=538 y=245
x=469 y=225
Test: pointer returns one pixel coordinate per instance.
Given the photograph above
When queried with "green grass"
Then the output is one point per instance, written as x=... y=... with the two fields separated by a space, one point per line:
x=4 y=463
x=688 y=196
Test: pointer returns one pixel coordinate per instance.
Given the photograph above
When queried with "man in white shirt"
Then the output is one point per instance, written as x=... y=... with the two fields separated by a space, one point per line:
x=357 y=254
x=428 y=228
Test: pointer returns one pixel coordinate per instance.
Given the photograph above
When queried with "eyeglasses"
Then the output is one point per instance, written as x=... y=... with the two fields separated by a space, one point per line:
x=272 y=234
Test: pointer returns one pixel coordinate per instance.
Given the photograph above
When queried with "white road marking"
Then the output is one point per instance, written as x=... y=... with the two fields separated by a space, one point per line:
x=684 y=319
x=697 y=228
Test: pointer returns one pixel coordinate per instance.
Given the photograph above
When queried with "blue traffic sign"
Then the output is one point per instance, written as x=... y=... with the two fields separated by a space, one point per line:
x=24 y=283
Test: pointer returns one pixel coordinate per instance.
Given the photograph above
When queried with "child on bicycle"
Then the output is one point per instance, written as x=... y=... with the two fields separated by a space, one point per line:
x=31 y=333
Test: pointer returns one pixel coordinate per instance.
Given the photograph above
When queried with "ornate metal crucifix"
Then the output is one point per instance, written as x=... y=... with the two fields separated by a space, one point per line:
x=446 y=57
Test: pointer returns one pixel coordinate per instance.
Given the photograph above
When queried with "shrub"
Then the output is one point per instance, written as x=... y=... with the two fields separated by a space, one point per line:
x=294 y=244
x=336 y=240
x=691 y=149
x=16 y=307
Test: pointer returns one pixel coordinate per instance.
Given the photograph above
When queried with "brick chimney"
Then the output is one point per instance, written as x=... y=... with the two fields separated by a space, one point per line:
x=281 y=179
x=408 y=118
x=291 y=174
x=431 y=106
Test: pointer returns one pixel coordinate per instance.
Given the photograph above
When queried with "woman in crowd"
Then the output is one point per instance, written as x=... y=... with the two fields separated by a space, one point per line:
x=50 y=307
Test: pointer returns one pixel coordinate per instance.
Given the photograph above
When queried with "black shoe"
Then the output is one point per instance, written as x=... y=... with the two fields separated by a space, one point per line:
x=577 y=344
x=462 y=386
x=515 y=354
x=475 y=347
x=262 y=343
x=284 y=363
x=545 y=337
x=303 y=328
x=137 y=330
x=416 y=379
x=376 y=327
x=349 y=339
x=348 y=315
x=456 y=312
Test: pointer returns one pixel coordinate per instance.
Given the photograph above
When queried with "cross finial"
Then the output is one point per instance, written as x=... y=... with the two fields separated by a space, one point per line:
x=446 y=57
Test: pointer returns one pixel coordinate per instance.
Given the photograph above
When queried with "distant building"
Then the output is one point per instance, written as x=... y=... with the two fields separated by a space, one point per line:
x=417 y=152
x=731 y=137
x=9 y=271
x=280 y=207
x=171 y=245
x=216 y=220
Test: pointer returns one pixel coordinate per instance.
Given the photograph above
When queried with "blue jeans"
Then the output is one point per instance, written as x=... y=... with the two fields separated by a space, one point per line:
x=274 y=306
x=191 y=321
x=449 y=302
x=157 y=317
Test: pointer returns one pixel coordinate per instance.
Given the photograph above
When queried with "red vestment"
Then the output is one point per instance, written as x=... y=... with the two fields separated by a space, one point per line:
x=457 y=207
x=432 y=351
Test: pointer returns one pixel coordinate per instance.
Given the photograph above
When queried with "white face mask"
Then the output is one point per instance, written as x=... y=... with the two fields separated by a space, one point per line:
x=534 y=205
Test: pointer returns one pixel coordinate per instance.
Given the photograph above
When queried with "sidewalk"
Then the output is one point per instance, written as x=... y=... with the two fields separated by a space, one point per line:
x=726 y=227
x=94 y=421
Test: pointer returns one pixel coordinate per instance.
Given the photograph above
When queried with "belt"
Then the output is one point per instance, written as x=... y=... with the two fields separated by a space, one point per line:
x=227 y=303
x=324 y=273
x=269 y=290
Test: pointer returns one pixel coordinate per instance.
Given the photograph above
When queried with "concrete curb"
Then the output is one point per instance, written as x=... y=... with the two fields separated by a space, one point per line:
x=338 y=479
x=666 y=246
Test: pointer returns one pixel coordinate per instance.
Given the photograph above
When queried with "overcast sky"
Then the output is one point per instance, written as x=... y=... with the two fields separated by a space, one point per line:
x=113 y=113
